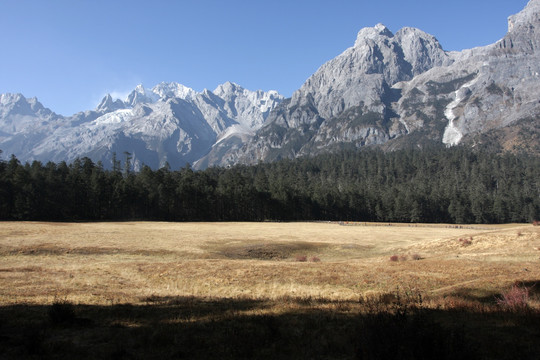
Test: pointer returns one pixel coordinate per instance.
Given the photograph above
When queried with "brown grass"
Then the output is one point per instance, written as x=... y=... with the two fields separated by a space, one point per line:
x=103 y=263
x=164 y=278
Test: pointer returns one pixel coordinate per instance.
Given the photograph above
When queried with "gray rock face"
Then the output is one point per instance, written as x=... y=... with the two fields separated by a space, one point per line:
x=108 y=104
x=421 y=50
x=347 y=100
x=377 y=60
x=406 y=86
x=488 y=88
x=169 y=124
x=522 y=34
x=25 y=122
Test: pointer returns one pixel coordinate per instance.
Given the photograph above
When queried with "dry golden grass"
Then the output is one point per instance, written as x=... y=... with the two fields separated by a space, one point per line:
x=110 y=263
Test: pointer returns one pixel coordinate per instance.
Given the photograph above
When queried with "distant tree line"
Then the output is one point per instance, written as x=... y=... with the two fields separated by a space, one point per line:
x=456 y=185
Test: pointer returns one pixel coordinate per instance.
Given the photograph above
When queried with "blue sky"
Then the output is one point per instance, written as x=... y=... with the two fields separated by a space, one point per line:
x=70 y=53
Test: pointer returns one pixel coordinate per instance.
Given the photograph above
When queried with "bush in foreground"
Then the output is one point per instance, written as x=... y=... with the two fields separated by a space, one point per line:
x=515 y=299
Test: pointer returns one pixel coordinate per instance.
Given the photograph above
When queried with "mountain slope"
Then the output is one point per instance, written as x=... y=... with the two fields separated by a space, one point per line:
x=403 y=89
x=347 y=100
x=168 y=124
x=489 y=88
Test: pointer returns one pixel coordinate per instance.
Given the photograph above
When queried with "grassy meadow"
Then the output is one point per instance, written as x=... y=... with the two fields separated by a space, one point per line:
x=269 y=290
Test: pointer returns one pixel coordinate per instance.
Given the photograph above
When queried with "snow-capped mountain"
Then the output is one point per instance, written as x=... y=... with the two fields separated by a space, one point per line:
x=170 y=123
x=403 y=90
x=387 y=90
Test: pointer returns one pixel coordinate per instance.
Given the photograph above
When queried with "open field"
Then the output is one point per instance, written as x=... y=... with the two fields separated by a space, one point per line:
x=179 y=276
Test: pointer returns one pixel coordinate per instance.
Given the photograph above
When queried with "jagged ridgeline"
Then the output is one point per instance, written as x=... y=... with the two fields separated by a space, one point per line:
x=440 y=185
x=169 y=124
x=393 y=91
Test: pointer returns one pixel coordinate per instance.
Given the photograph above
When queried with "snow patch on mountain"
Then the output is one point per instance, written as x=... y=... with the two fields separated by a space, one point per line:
x=170 y=123
x=175 y=90
x=249 y=108
x=452 y=134
x=116 y=117
x=234 y=130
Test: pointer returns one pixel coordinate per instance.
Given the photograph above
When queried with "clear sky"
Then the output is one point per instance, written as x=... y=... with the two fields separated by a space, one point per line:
x=70 y=53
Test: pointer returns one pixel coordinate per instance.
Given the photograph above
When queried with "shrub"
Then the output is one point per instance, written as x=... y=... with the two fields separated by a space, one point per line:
x=517 y=298
x=416 y=257
x=315 y=259
x=301 y=258
x=536 y=223
x=394 y=258
x=465 y=242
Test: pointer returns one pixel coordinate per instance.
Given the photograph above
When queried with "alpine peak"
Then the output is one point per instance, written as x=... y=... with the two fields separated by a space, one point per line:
x=174 y=89
x=227 y=87
x=530 y=14
x=141 y=95
x=373 y=33
x=107 y=104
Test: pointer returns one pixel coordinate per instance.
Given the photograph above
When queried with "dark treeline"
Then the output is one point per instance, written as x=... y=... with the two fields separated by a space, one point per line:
x=454 y=185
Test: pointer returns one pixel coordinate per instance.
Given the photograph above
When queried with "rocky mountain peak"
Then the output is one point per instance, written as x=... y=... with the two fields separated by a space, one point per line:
x=388 y=86
x=249 y=108
x=529 y=15
x=19 y=114
x=13 y=103
x=228 y=89
x=422 y=50
x=9 y=98
x=174 y=89
x=17 y=104
x=140 y=95
x=361 y=74
x=107 y=104
x=372 y=33
x=523 y=31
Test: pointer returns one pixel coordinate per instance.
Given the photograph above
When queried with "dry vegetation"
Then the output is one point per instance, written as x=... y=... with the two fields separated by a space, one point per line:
x=292 y=275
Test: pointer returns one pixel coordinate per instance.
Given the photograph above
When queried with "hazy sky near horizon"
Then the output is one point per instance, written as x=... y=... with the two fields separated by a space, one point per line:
x=70 y=53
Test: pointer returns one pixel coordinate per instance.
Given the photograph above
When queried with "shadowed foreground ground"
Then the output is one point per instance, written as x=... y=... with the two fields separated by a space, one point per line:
x=187 y=327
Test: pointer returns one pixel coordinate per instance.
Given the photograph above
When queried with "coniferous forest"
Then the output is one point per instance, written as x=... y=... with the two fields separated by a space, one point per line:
x=456 y=185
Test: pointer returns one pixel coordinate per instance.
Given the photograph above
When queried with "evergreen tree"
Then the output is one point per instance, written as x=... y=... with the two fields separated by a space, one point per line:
x=438 y=185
